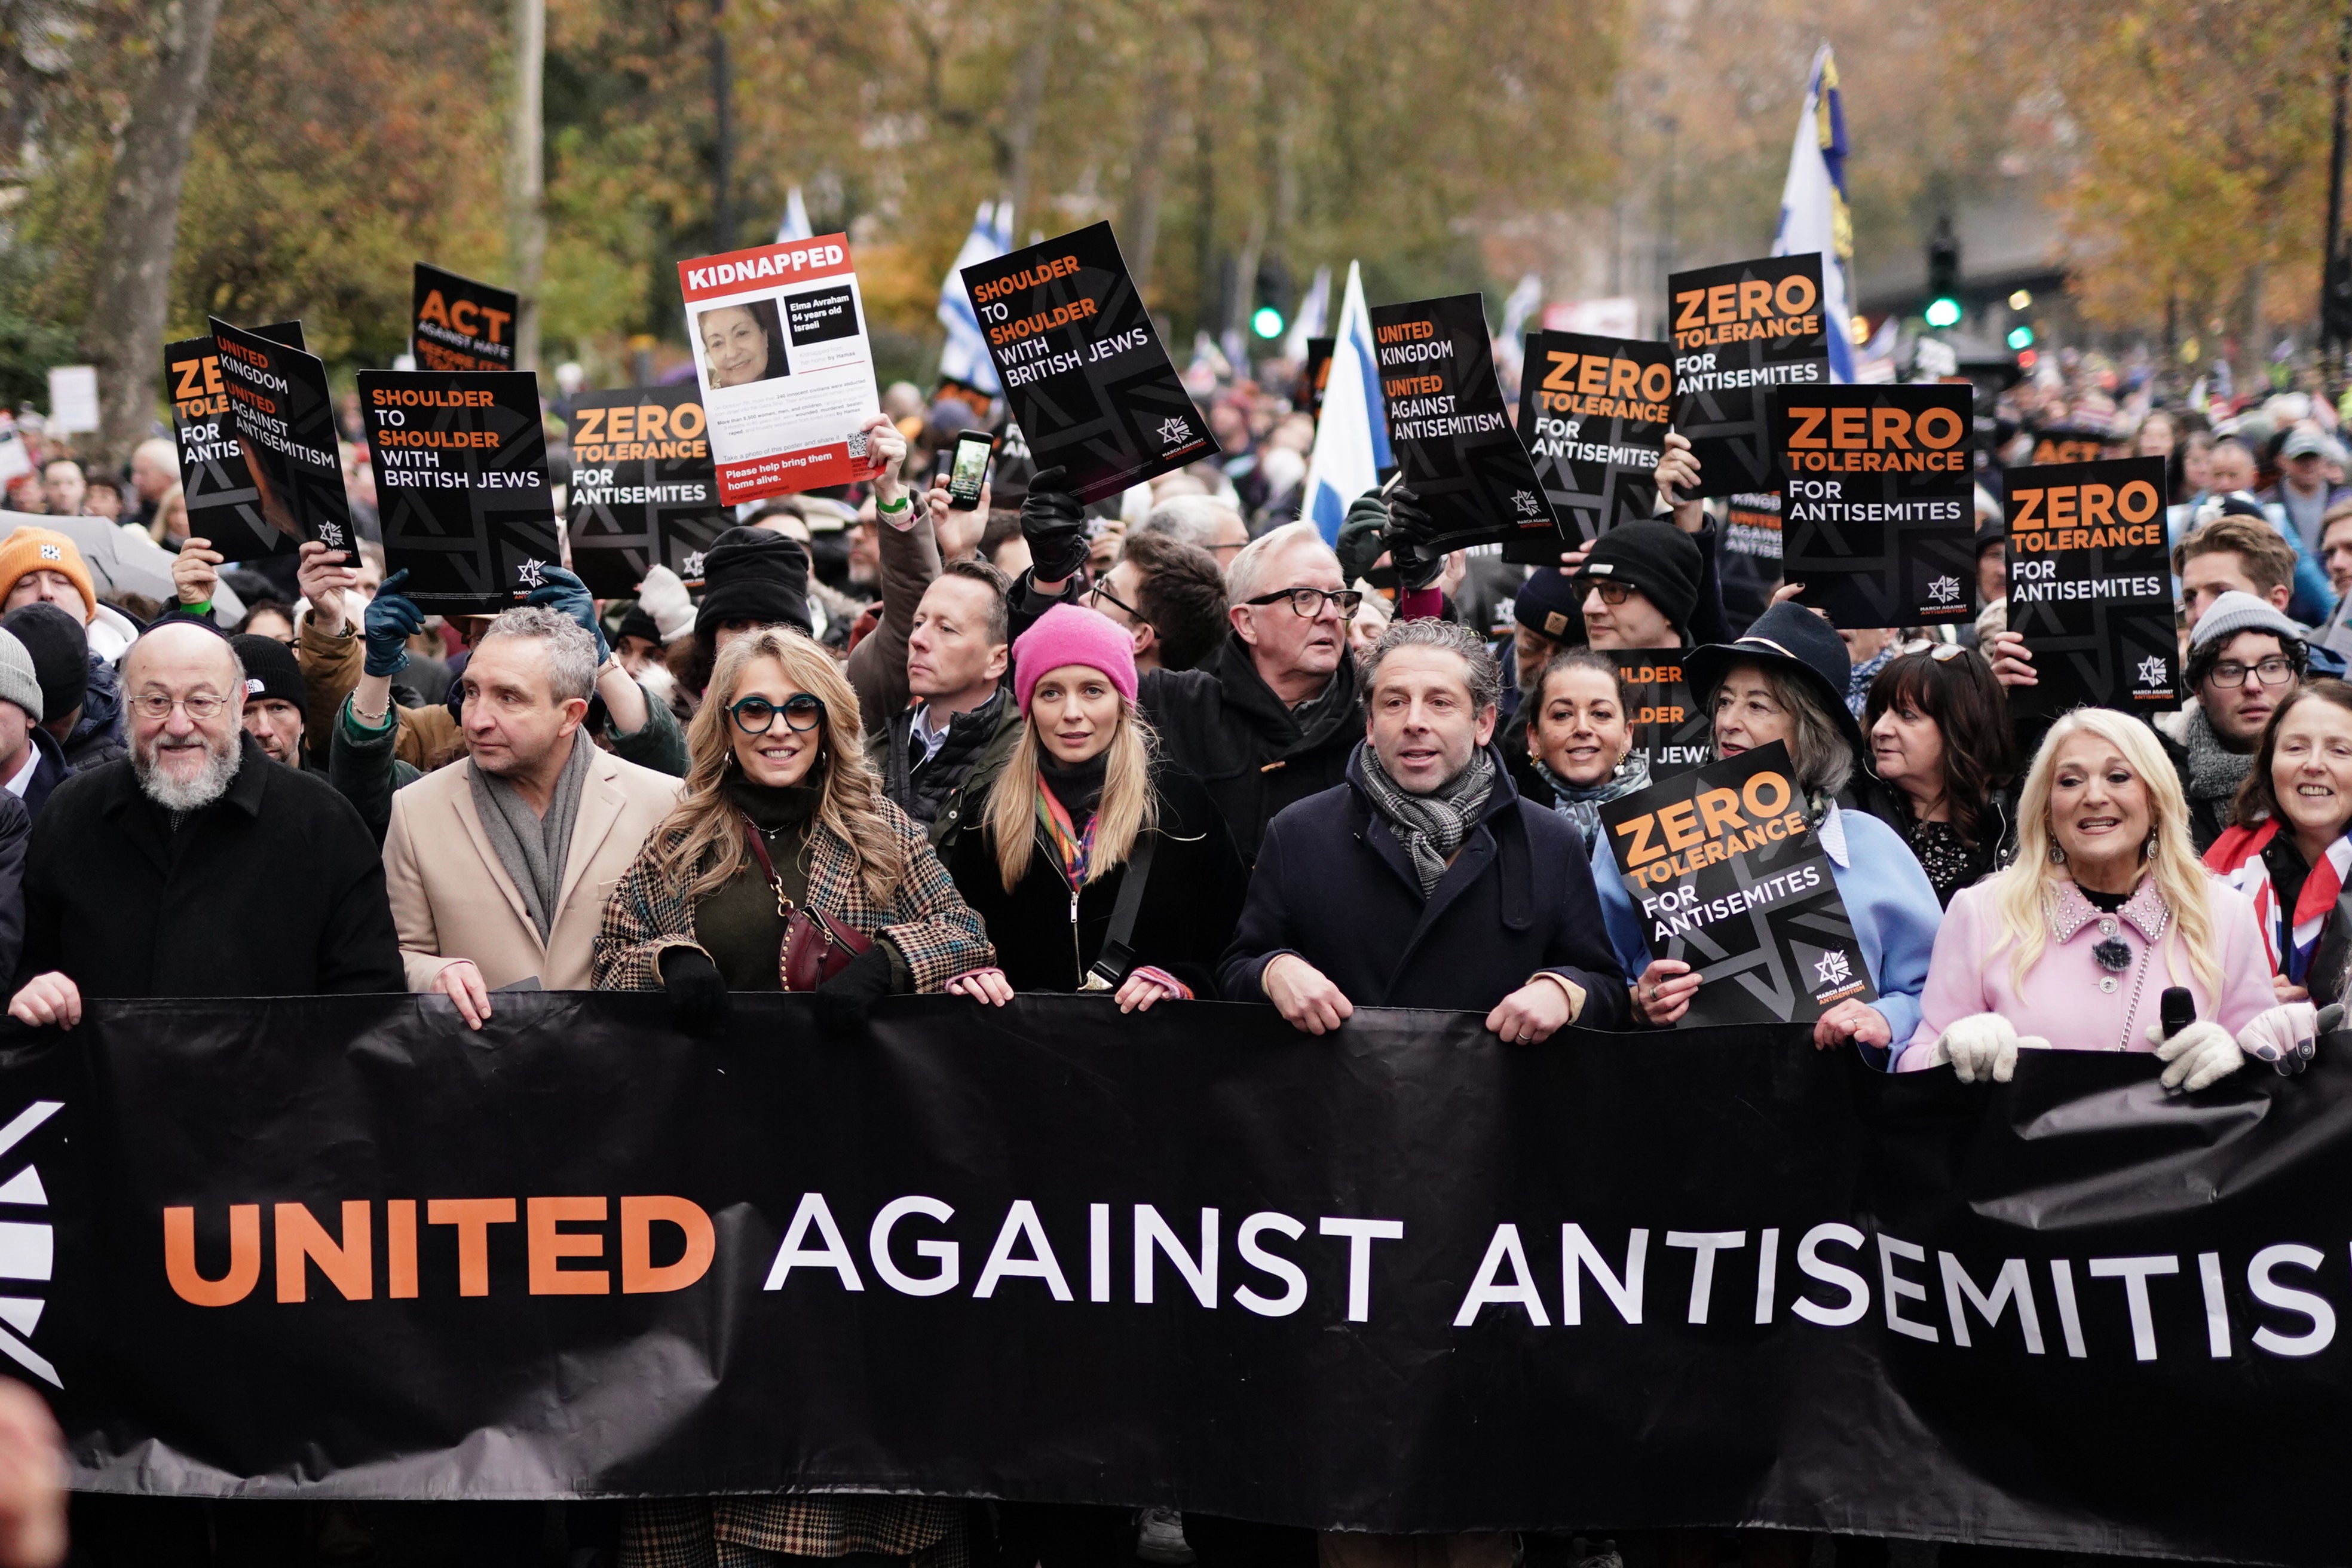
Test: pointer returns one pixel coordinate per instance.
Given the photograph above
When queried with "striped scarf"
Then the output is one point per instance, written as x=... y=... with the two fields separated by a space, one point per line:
x=1073 y=846
x=2237 y=857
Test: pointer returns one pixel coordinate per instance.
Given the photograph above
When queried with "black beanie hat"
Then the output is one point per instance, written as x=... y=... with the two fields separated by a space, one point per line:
x=753 y=575
x=638 y=624
x=60 y=651
x=270 y=671
x=1655 y=557
x=1547 y=604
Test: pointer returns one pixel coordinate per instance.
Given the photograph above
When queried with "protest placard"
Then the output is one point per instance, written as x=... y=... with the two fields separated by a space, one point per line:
x=285 y=420
x=1451 y=432
x=643 y=490
x=1083 y=366
x=461 y=485
x=223 y=500
x=1877 y=517
x=1751 y=526
x=1669 y=726
x=787 y=374
x=1740 y=331
x=2090 y=586
x=1728 y=876
x=1594 y=413
x=456 y=323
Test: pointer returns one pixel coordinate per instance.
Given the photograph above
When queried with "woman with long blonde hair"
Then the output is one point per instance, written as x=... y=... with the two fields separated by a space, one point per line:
x=1083 y=805
x=2105 y=907
x=780 y=812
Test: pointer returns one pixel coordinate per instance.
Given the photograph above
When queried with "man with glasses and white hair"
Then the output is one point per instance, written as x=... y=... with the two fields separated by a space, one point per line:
x=498 y=866
x=193 y=867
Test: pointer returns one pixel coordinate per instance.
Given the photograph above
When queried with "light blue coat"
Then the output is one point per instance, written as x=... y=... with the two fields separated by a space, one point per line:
x=1887 y=895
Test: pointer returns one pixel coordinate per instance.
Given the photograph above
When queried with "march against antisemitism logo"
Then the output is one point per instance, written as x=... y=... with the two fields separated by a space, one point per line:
x=1174 y=432
x=2155 y=672
x=27 y=1247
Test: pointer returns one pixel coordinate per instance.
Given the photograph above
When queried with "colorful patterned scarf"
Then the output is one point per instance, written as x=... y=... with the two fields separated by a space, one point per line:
x=1073 y=846
x=2237 y=856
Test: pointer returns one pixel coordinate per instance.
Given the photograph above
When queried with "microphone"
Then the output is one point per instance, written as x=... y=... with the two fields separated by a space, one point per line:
x=2177 y=1010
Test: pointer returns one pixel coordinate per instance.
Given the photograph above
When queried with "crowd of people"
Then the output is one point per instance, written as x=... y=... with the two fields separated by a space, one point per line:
x=1178 y=747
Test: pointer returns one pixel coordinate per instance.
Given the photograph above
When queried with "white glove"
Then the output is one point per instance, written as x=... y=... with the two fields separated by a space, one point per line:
x=2202 y=1054
x=663 y=596
x=2287 y=1035
x=1983 y=1046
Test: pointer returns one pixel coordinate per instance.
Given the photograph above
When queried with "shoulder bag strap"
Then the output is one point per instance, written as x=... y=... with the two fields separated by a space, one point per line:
x=1111 y=964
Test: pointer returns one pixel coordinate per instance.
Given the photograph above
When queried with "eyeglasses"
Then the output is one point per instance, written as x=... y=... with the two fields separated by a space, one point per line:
x=757 y=715
x=1308 y=603
x=2272 y=671
x=1610 y=593
x=1099 y=593
x=200 y=708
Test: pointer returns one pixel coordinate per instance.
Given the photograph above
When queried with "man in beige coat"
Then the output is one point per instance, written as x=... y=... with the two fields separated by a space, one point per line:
x=498 y=866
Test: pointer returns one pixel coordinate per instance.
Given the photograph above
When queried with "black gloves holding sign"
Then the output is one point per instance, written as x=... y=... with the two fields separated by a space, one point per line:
x=1393 y=523
x=697 y=992
x=1055 y=525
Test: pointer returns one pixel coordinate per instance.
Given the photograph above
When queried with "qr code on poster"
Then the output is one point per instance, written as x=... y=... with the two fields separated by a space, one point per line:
x=858 y=445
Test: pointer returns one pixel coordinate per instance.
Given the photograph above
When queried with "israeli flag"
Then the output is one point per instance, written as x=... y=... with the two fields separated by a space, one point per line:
x=1351 y=437
x=1314 y=314
x=796 y=223
x=965 y=356
x=1814 y=213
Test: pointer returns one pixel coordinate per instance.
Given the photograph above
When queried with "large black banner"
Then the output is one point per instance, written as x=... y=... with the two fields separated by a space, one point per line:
x=1402 y=1278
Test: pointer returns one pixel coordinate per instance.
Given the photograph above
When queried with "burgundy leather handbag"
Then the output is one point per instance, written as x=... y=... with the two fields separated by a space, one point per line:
x=816 y=946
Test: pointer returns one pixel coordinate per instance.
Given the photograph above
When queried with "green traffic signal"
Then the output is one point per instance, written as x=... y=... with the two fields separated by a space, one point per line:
x=1944 y=312
x=2021 y=337
x=1266 y=322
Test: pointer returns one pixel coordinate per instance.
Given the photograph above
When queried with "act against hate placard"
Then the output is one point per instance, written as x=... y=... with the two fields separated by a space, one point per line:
x=2090 y=586
x=787 y=374
x=456 y=323
x=285 y=420
x=1740 y=331
x=1451 y=430
x=224 y=502
x=461 y=485
x=643 y=493
x=1594 y=413
x=1089 y=381
x=1728 y=876
x=1878 y=518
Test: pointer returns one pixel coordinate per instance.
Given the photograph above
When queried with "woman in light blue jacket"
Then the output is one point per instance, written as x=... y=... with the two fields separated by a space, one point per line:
x=1785 y=681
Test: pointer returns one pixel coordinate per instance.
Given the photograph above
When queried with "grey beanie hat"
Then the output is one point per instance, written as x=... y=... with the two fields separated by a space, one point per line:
x=18 y=684
x=2230 y=614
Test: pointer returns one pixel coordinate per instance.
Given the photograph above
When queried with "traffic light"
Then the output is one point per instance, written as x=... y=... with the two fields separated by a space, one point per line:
x=1266 y=321
x=2021 y=337
x=1943 y=277
x=1272 y=286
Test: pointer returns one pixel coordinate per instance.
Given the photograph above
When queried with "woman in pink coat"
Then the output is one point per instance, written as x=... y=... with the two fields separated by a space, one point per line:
x=2106 y=906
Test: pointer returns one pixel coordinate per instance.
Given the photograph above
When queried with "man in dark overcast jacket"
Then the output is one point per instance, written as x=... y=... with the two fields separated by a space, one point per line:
x=1425 y=881
x=193 y=867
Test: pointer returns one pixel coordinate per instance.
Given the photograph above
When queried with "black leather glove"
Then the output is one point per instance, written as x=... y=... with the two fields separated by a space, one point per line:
x=1408 y=532
x=1055 y=525
x=1362 y=536
x=843 y=1001
x=697 y=992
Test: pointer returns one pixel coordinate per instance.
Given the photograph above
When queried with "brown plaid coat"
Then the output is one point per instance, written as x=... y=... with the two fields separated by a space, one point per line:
x=734 y=1532
x=927 y=919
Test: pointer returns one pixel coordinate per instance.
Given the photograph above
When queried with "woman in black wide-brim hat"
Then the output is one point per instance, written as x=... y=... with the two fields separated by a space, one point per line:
x=1785 y=681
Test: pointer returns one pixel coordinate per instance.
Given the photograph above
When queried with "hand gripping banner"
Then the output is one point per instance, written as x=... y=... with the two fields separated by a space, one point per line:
x=1403 y=1279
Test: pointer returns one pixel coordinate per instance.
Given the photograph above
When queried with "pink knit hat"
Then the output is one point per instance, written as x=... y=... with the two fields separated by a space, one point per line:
x=1069 y=633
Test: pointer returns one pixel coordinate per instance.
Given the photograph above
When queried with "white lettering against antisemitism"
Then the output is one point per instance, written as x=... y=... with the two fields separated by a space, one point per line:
x=773 y=264
x=1907 y=1286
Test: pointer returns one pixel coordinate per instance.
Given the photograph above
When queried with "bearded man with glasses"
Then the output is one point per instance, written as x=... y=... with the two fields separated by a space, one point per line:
x=2244 y=656
x=194 y=867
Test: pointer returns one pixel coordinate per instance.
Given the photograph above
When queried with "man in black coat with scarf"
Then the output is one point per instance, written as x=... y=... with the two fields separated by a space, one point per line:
x=1424 y=881
x=194 y=867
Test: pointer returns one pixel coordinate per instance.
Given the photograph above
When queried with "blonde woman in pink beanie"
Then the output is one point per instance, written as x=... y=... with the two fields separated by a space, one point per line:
x=1084 y=806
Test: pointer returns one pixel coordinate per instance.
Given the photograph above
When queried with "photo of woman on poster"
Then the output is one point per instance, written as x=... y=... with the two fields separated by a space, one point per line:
x=741 y=343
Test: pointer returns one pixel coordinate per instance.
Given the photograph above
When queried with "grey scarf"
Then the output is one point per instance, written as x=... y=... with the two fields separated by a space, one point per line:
x=532 y=848
x=1581 y=803
x=2214 y=771
x=1431 y=826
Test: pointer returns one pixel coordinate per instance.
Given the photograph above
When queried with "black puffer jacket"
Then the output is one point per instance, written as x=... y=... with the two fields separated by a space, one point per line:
x=1222 y=722
x=1191 y=902
x=985 y=733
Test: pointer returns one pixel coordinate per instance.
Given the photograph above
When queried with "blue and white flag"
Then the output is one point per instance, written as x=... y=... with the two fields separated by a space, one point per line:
x=1510 y=343
x=1313 y=318
x=796 y=220
x=1814 y=213
x=965 y=355
x=1351 y=434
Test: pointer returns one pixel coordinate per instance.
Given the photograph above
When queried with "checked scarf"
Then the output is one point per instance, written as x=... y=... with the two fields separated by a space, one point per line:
x=2291 y=936
x=1431 y=826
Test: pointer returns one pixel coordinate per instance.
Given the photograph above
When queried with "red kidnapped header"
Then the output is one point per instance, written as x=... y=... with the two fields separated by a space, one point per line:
x=708 y=277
